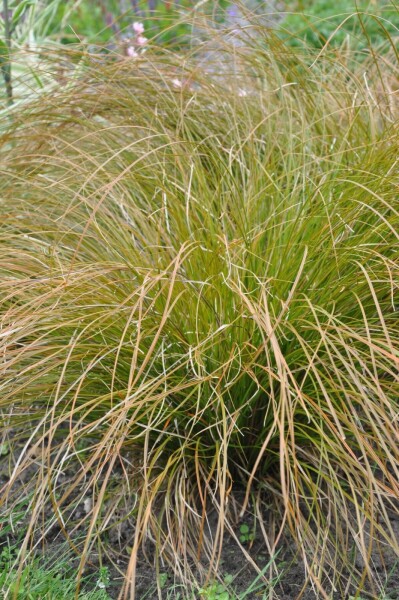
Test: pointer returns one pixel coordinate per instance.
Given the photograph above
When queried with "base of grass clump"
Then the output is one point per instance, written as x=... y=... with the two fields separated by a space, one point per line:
x=199 y=296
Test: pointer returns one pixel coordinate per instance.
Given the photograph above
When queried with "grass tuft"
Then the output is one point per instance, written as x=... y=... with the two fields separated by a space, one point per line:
x=199 y=291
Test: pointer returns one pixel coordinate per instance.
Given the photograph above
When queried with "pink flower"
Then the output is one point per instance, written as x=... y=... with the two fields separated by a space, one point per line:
x=130 y=51
x=177 y=83
x=138 y=28
x=141 y=40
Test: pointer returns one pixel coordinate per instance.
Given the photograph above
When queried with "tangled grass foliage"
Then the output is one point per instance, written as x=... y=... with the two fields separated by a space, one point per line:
x=199 y=294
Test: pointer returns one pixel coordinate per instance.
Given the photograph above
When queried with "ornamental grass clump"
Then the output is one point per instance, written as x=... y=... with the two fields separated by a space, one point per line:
x=199 y=292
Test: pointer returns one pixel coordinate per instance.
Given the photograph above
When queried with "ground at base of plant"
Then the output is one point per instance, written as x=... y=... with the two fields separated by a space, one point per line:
x=50 y=573
x=52 y=580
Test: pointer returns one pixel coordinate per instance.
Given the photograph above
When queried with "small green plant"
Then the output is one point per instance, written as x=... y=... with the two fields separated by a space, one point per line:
x=103 y=577
x=40 y=579
x=217 y=591
x=162 y=580
x=246 y=534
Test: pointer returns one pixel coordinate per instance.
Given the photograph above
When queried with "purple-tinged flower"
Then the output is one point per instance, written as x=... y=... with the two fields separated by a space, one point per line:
x=232 y=11
x=130 y=51
x=141 y=40
x=138 y=28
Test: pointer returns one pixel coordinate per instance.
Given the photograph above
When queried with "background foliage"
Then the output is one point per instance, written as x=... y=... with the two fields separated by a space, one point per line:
x=359 y=24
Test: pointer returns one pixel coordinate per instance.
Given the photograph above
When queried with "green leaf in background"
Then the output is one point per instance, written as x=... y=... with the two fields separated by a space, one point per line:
x=313 y=23
x=4 y=60
x=4 y=448
x=20 y=10
x=4 y=52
